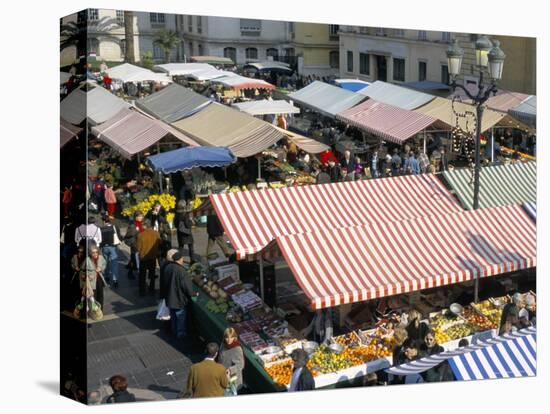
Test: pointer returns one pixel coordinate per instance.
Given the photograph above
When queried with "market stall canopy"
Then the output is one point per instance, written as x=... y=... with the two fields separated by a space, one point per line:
x=130 y=132
x=239 y=82
x=65 y=76
x=335 y=266
x=326 y=99
x=212 y=60
x=267 y=107
x=531 y=208
x=526 y=111
x=427 y=85
x=506 y=100
x=309 y=145
x=187 y=158
x=527 y=337
x=97 y=105
x=220 y=126
x=386 y=121
x=253 y=219
x=269 y=66
x=67 y=132
x=131 y=73
x=183 y=69
x=210 y=74
x=500 y=185
x=173 y=103
x=352 y=85
x=395 y=95
x=513 y=358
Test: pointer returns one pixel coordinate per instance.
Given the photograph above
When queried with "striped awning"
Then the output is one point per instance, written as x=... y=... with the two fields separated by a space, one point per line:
x=531 y=209
x=346 y=265
x=239 y=82
x=386 y=121
x=500 y=185
x=511 y=358
x=253 y=219
x=426 y=363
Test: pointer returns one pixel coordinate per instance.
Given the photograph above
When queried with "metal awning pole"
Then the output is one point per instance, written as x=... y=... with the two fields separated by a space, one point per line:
x=139 y=163
x=492 y=145
x=259 y=167
x=261 y=263
x=424 y=140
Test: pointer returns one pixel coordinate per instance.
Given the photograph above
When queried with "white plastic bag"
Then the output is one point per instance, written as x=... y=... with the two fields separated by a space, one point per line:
x=163 y=311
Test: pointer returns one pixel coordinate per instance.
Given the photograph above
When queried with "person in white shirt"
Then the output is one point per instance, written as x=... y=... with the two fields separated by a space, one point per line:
x=88 y=232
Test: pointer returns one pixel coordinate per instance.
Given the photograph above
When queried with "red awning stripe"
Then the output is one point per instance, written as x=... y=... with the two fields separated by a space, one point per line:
x=346 y=265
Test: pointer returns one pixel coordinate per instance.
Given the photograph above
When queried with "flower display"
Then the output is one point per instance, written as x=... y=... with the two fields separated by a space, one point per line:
x=167 y=201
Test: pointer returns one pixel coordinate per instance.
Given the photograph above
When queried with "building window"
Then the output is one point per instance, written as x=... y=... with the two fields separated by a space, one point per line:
x=200 y=48
x=199 y=24
x=399 y=70
x=445 y=74
x=350 y=61
x=251 y=53
x=446 y=37
x=120 y=16
x=422 y=69
x=93 y=46
x=333 y=31
x=231 y=53
x=422 y=35
x=190 y=23
x=157 y=52
x=399 y=33
x=291 y=29
x=156 y=19
x=93 y=15
x=380 y=31
x=364 y=64
x=334 y=59
x=251 y=27
x=473 y=37
x=272 y=52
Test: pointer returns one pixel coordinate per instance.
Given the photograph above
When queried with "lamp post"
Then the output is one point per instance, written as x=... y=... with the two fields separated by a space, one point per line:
x=491 y=58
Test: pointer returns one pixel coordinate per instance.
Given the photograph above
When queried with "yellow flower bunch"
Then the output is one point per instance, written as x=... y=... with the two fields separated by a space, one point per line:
x=167 y=201
x=170 y=217
x=197 y=202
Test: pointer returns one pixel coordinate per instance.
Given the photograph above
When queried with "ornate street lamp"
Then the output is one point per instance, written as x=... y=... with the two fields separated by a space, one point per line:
x=492 y=59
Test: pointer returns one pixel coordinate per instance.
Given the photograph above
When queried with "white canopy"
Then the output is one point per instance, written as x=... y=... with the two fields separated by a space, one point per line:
x=399 y=96
x=131 y=73
x=182 y=69
x=266 y=107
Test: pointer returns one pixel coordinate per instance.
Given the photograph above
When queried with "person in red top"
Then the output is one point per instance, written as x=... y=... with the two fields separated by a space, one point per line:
x=110 y=199
x=327 y=156
x=107 y=81
x=67 y=198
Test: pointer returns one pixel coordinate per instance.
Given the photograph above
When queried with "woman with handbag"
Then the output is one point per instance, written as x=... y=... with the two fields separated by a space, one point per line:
x=231 y=356
x=91 y=276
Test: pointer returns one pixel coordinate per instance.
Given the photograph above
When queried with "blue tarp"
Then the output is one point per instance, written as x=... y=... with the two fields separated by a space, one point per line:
x=351 y=85
x=190 y=157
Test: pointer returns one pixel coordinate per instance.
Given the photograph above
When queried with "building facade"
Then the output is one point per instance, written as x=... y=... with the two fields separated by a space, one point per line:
x=317 y=48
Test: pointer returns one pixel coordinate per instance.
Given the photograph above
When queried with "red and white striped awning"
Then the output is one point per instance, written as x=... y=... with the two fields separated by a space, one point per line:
x=389 y=122
x=346 y=265
x=252 y=219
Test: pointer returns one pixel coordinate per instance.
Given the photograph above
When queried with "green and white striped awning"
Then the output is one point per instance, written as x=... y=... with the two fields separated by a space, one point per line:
x=500 y=185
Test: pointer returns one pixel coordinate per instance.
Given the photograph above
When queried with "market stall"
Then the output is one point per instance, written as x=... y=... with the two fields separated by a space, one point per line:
x=188 y=158
x=127 y=72
x=395 y=95
x=238 y=82
x=526 y=111
x=267 y=107
x=183 y=69
x=500 y=185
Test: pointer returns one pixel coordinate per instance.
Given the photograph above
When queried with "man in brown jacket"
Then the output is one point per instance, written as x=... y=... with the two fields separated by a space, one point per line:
x=207 y=378
x=148 y=245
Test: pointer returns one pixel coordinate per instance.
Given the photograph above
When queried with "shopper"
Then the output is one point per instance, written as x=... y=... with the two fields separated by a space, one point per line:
x=302 y=379
x=411 y=165
x=110 y=199
x=423 y=162
x=416 y=330
x=215 y=235
x=119 y=385
x=164 y=279
x=130 y=238
x=207 y=378
x=184 y=228
x=511 y=310
x=430 y=347
x=157 y=217
x=91 y=276
x=396 y=163
x=110 y=240
x=232 y=357
x=87 y=233
x=148 y=247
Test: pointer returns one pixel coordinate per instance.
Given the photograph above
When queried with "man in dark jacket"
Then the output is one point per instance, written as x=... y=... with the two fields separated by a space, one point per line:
x=180 y=292
x=110 y=239
x=184 y=228
x=302 y=380
x=215 y=232
x=157 y=217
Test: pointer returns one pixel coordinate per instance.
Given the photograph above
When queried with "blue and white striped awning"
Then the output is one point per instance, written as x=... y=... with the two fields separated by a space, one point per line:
x=516 y=357
x=424 y=364
x=531 y=209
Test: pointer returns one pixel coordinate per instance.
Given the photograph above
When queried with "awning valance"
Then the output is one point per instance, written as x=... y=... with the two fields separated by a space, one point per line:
x=173 y=103
x=130 y=132
x=132 y=73
x=326 y=99
x=191 y=157
x=253 y=219
x=395 y=95
x=526 y=111
x=269 y=66
x=220 y=126
x=238 y=82
x=386 y=121
x=67 y=132
x=213 y=60
x=266 y=107
x=183 y=69
x=307 y=144
x=500 y=185
x=353 y=264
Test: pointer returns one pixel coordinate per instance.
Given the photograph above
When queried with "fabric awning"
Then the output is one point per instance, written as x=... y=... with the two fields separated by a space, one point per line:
x=253 y=219
x=307 y=144
x=67 y=132
x=212 y=60
x=209 y=74
x=506 y=101
x=395 y=95
x=531 y=208
x=238 y=82
x=266 y=107
x=386 y=121
x=187 y=158
x=220 y=126
x=526 y=112
x=130 y=132
x=511 y=358
x=423 y=364
x=132 y=73
x=173 y=103
x=326 y=99
x=183 y=69
x=426 y=85
x=500 y=185
x=269 y=65
x=353 y=264
x=352 y=85
x=98 y=105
